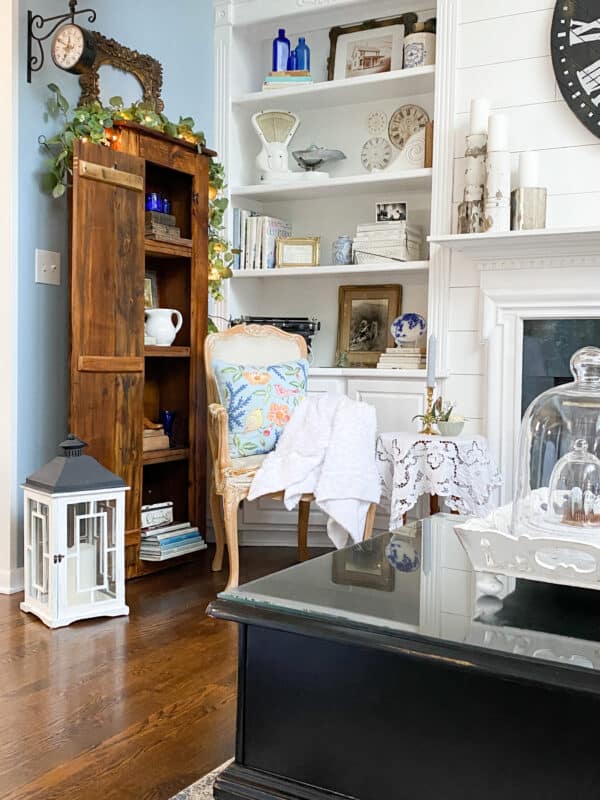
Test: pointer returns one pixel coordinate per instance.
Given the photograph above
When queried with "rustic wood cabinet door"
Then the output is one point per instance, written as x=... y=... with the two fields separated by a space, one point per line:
x=107 y=312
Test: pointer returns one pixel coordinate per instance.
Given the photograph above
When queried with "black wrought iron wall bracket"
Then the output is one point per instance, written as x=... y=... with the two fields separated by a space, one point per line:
x=38 y=33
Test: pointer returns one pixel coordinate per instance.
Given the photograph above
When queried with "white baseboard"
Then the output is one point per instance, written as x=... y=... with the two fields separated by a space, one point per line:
x=12 y=581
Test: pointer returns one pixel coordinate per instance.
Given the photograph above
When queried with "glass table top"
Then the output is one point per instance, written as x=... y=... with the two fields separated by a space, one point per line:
x=420 y=582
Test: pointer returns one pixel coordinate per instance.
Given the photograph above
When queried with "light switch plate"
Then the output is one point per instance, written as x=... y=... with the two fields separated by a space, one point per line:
x=47 y=267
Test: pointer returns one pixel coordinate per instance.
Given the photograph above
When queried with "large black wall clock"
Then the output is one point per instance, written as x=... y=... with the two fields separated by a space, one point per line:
x=576 y=57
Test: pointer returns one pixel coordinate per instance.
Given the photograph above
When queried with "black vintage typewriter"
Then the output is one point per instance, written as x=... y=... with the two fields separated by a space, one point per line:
x=302 y=325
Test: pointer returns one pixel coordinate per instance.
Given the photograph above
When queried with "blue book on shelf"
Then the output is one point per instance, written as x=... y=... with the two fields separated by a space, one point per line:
x=176 y=540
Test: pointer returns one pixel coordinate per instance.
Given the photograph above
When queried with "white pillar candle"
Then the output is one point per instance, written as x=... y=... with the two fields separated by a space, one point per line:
x=529 y=170
x=497 y=133
x=480 y=111
x=431 y=357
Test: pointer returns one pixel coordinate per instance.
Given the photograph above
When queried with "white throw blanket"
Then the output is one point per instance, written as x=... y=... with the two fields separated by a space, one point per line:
x=326 y=449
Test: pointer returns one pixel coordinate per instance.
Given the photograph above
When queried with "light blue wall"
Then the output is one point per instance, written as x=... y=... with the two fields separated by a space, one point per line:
x=179 y=34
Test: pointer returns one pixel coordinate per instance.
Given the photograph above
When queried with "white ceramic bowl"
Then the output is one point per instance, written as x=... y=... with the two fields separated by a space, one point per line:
x=451 y=428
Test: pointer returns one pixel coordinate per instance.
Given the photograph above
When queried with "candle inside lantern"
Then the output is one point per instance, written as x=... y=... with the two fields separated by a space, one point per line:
x=529 y=170
x=431 y=358
x=480 y=111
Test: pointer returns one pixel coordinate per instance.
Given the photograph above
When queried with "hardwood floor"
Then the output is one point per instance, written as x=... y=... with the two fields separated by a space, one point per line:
x=123 y=709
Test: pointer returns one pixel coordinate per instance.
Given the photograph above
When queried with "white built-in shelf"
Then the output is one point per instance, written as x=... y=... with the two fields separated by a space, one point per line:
x=413 y=179
x=395 y=85
x=349 y=269
x=514 y=245
x=367 y=372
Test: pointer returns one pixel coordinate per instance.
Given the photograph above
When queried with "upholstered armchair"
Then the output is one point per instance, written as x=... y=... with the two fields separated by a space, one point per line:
x=231 y=478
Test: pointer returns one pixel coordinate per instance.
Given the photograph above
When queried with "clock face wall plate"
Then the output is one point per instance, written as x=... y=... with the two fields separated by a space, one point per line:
x=575 y=45
x=405 y=121
x=376 y=153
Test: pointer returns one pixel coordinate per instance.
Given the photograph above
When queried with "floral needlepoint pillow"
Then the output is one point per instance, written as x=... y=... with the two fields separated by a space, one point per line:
x=259 y=402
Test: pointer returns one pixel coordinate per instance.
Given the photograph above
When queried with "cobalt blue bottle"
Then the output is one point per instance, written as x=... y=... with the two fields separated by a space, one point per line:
x=281 y=52
x=292 y=62
x=302 y=55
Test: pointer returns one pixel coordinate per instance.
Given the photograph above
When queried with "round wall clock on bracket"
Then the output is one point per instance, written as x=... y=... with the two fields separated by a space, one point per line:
x=575 y=46
x=73 y=49
x=405 y=121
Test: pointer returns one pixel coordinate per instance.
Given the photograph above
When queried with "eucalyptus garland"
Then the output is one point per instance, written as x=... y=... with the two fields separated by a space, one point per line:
x=95 y=123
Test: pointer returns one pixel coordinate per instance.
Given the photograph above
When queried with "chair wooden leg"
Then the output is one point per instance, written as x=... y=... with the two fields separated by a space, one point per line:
x=370 y=521
x=216 y=513
x=231 y=502
x=303 y=515
x=434 y=504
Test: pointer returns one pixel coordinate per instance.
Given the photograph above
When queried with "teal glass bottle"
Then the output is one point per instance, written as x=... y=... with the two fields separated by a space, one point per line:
x=302 y=55
x=281 y=52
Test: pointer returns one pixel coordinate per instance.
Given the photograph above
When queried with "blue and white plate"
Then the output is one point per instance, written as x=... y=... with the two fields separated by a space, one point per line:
x=402 y=555
x=408 y=329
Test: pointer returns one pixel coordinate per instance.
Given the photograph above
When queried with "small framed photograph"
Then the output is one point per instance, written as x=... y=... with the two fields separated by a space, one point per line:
x=368 y=47
x=298 y=251
x=364 y=565
x=365 y=317
x=390 y=212
x=151 y=290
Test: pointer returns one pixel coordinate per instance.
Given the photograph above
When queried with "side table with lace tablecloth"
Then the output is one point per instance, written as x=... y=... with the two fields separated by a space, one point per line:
x=460 y=469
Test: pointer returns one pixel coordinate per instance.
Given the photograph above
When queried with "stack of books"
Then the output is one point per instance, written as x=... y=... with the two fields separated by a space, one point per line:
x=404 y=357
x=163 y=228
x=387 y=241
x=255 y=239
x=279 y=80
x=161 y=542
x=155 y=440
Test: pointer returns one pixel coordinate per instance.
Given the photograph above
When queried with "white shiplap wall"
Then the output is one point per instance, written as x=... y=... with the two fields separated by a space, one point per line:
x=504 y=55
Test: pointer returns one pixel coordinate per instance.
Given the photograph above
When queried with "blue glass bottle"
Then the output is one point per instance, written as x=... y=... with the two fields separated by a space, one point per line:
x=281 y=52
x=292 y=62
x=302 y=55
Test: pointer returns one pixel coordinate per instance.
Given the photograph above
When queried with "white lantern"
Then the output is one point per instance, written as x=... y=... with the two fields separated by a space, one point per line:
x=74 y=539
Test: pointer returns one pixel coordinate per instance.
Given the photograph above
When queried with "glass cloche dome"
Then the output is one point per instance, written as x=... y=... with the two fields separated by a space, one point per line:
x=558 y=479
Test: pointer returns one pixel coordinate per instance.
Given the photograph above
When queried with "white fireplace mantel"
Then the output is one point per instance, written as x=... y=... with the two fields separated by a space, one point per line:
x=509 y=297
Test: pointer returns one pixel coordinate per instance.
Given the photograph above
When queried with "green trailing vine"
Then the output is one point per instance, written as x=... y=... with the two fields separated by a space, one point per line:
x=96 y=123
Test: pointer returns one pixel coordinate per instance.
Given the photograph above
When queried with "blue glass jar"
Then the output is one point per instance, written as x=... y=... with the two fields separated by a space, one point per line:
x=154 y=202
x=166 y=205
x=281 y=52
x=342 y=250
x=302 y=55
x=293 y=62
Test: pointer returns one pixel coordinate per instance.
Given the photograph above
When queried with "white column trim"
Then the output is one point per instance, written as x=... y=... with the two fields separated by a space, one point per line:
x=508 y=299
x=11 y=577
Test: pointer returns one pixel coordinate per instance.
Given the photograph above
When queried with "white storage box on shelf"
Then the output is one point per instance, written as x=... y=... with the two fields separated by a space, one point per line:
x=551 y=532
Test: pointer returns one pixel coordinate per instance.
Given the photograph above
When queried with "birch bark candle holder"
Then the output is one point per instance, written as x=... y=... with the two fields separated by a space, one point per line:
x=470 y=211
x=528 y=201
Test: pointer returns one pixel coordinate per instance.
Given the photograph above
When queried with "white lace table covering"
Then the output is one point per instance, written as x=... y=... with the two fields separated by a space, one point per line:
x=461 y=470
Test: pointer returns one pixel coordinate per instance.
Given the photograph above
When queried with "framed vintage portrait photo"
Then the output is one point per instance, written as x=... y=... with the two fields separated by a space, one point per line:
x=150 y=290
x=368 y=47
x=365 y=317
x=365 y=565
x=298 y=251
x=390 y=212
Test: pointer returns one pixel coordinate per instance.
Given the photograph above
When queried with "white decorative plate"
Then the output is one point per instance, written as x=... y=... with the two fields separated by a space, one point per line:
x=405 y=121
x=412 y=156
x=376 y=153
x=377 y=123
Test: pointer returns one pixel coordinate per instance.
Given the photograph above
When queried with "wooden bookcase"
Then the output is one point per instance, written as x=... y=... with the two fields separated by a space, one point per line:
x=115 y=379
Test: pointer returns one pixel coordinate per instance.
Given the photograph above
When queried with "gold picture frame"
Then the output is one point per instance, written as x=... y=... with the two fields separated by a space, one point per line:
x=365 y=565
x=365 y=317
x=151 y=290
x=298 y=251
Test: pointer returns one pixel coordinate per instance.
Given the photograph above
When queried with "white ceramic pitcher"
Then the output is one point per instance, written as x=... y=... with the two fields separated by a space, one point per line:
x=159 y=325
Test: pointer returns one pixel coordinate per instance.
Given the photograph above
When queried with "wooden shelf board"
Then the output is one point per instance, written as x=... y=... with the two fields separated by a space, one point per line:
x=166 y=456
x=414 y=179
x=160 y=249
x=394 y=85
x=523 y=244
x=349 y=269
x=155 y=351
